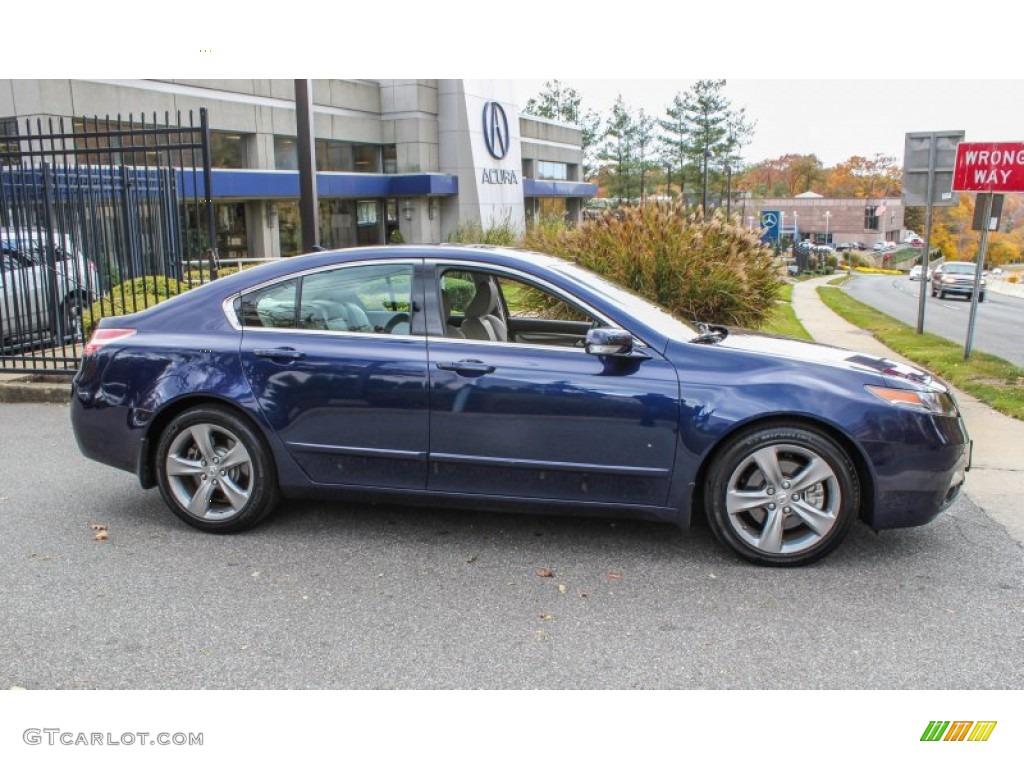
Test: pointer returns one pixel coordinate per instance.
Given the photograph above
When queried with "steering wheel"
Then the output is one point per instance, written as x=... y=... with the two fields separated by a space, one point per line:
x=395 y=321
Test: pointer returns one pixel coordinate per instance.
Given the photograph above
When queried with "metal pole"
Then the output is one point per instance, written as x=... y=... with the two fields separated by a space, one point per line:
x=728 y=198
x=977 y=276
x=704 y=195
x=309 y=209
x=211 y=224
x=926 y=248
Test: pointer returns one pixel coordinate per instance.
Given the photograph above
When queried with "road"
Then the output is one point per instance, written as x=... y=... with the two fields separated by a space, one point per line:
x=328 y=596
x=1000 y=321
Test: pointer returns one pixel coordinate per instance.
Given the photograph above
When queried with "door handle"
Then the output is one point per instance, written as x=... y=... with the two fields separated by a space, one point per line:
x=467 y=367
x=280 y=353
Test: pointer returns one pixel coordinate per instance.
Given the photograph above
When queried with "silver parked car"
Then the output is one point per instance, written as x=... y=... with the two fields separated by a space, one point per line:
x=27 y=282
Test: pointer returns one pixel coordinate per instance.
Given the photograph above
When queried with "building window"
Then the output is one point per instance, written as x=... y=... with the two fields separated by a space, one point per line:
x=333 y=155
x=337 y=225
x=368 y=230
x=366 y=158
x=552 y=171
x=871 y=218
x=227 y=150
x=286 y=153
x=390 y=152
x=9 y=139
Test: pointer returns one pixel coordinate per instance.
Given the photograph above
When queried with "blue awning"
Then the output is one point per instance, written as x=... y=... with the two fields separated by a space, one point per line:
x=232 y=183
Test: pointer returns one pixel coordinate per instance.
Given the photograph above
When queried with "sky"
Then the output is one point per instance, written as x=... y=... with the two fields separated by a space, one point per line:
x=834 y=118
x=832 y=79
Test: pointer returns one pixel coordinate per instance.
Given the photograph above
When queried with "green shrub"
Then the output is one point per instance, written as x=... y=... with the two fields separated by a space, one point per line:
x=132 y=296
x=711 y=271
x=396 y=238
x=497 y=233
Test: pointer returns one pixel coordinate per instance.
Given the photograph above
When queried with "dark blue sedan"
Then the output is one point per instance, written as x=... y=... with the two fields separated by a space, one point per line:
x=498 y=379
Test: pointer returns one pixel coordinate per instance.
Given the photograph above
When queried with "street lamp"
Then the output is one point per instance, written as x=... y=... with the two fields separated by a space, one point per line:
x=828 y=215
x=704 y=196
x=796 y=228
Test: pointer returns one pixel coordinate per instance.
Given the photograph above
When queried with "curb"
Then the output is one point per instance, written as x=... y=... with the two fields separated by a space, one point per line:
x=36 y=388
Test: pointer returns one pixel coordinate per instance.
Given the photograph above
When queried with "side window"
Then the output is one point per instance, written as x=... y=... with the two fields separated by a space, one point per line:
x=490 y=307
x=371 y=298
x=269 y=307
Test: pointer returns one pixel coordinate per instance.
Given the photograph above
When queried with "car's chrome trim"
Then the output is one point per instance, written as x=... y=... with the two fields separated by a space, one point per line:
x=348 y=450
x=558 y=466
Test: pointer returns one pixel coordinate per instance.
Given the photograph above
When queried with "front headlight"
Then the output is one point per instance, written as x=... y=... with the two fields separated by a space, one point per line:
x=932 y=402
x=948 y=279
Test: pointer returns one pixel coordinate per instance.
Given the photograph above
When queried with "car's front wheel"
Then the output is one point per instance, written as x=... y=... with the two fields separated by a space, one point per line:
x=782 y=496
x=215 y=471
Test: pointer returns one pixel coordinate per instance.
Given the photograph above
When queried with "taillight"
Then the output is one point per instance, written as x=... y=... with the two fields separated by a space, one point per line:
x=103 y=336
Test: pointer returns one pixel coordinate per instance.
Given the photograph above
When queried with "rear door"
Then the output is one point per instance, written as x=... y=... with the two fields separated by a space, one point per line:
x=338 y=362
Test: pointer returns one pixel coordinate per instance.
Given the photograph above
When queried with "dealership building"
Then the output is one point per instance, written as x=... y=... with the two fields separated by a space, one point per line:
x=810 y=216
x=417 y=157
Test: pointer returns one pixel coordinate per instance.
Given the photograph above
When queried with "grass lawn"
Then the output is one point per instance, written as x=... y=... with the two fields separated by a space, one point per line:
x=990 y=379
x=783 y=320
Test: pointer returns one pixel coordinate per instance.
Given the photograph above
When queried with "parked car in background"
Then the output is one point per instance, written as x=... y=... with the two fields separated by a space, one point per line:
x=492 y=378
x=845 y=247
x=39 y=298
x=915 y=273
x=956 y=277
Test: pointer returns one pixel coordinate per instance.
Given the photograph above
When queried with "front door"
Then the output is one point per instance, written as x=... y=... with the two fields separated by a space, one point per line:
x=518 y=408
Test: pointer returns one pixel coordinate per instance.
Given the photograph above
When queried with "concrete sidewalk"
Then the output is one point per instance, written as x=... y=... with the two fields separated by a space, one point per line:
x=996 y=480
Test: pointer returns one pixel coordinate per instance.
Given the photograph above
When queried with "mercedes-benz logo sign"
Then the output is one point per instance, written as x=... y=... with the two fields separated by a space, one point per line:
x=496 y=135
x=768 y=220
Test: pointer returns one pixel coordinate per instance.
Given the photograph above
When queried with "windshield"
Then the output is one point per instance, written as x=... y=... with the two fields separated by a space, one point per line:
x=960 y=269
x=633 y=304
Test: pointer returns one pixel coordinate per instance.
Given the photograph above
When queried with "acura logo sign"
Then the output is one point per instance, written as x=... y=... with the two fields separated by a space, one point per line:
x=496 y=135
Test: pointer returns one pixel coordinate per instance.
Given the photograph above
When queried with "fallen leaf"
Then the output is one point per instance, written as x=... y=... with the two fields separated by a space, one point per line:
x=713 y=576
x=100 y=536
x=584 y=595
x=98 y=526
x=544 y=573
x=547 y=616
x=471 y=559
x=561 y=588
x=614 y=575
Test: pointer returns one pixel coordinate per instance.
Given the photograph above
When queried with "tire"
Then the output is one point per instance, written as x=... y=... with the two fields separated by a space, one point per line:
x=240 y=492
x=942 y=294
x=782 y=496
x=72 y=310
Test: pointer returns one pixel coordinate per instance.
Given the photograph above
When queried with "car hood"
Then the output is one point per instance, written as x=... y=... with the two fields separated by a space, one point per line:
x=898 y=374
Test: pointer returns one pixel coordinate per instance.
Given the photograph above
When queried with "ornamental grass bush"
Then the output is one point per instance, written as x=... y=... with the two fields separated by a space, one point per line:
x=713 y=271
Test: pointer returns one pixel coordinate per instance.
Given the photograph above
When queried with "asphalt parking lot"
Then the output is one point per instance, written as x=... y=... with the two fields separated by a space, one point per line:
x=347 y=597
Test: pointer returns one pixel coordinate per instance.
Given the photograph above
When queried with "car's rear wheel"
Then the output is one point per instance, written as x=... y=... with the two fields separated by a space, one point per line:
x=71 y=312
x=782 y=496
x=215 y=472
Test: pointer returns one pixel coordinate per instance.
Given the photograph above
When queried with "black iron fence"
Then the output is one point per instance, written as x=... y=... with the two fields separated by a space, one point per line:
x=97 y=217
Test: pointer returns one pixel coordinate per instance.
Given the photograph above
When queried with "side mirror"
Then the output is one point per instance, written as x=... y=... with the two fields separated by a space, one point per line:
x=609 y=341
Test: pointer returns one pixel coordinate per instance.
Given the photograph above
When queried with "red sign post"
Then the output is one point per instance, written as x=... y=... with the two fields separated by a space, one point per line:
x=989 y=167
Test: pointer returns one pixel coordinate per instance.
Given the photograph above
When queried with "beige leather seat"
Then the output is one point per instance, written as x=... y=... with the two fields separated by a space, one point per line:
x=482 y=321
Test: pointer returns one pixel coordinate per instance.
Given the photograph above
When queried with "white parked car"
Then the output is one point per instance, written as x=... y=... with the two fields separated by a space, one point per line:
x=26 y=287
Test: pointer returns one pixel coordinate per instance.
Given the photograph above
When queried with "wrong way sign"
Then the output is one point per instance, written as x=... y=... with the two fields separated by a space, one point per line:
x=989 y=167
